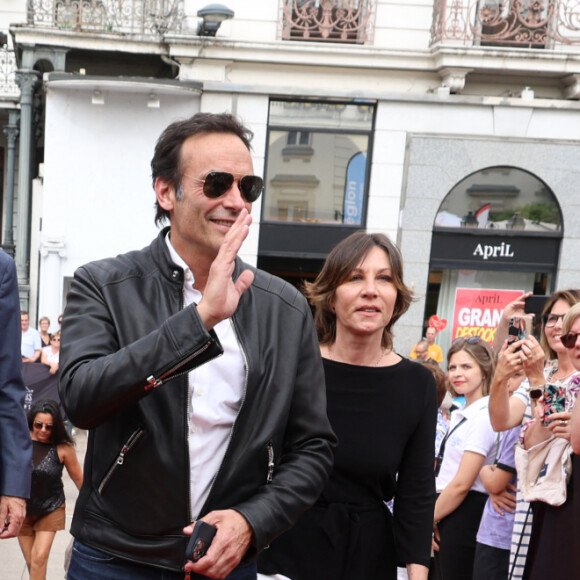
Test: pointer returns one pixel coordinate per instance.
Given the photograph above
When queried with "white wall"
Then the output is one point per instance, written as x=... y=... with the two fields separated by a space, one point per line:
x=98 y=199
x=11 y=12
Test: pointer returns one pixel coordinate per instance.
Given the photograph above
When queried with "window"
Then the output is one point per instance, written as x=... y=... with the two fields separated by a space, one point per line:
x=501 y=198
x=298 y=137
x=349 y=21
x=317 y=162
x=515 y=23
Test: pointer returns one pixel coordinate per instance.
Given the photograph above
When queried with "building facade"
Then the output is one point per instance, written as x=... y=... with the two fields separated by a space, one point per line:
x=452 y=127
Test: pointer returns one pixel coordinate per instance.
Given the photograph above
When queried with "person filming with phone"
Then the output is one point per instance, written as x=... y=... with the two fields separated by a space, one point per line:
x=553 y=543
x=545 y=363
x=547 y=360
x=198 y=377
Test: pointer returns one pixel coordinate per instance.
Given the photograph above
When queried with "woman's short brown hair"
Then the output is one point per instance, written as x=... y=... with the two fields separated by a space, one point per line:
x=339 y=264
x=571 y=296
x=483 y=355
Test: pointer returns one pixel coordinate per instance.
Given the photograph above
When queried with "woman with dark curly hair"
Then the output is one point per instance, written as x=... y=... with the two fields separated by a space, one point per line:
x=52 y=448
x=383 y=409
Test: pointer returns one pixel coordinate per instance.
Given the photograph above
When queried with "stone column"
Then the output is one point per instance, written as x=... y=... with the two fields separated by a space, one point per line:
x=11 y=132
x=27 y=80
x=52 y=253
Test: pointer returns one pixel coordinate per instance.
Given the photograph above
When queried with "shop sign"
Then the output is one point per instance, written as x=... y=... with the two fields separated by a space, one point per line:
x=478 y=311
x=470 y=249
x=486 y=251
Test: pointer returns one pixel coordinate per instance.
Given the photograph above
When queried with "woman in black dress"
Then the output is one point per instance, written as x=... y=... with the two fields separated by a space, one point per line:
x=383 y=409
x=52 y=449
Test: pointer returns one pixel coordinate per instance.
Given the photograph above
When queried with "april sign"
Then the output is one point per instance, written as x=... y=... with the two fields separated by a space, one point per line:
x=478 y=311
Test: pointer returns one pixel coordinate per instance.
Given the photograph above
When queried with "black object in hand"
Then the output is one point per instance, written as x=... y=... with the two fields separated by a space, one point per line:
x=200 y=540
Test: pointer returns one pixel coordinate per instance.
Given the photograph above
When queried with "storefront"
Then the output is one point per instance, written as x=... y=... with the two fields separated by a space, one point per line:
x=498 y=230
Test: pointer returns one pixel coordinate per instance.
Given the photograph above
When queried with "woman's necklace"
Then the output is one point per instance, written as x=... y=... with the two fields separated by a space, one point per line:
x=559 y=380
x=383 y=353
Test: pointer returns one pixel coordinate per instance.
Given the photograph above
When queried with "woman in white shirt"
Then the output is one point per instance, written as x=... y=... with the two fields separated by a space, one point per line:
x=50 y=354
x=470 y=444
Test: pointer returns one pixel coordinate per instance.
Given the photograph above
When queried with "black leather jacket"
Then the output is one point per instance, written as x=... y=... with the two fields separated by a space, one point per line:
x=127 y=347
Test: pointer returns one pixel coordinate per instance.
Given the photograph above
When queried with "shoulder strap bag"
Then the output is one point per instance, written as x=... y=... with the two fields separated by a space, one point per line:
x=544 y=470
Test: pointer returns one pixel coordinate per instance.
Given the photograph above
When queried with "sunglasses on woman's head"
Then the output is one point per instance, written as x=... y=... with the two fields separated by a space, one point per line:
x=217 y=183
x=569 y=339
x=39 y=425
x=468 y=339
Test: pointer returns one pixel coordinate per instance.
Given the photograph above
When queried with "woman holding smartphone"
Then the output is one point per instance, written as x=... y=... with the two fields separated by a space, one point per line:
x=555 y=543
x=470 y=444
x=547 y=361
x=383 y=409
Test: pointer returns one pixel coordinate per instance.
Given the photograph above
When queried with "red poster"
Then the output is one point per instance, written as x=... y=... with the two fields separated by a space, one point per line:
x=478 y=311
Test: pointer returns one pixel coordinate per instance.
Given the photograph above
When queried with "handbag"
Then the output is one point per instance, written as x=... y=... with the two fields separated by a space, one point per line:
x=544 y=470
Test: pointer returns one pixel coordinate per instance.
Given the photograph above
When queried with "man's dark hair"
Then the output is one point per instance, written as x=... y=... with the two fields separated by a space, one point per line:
x=166 y=162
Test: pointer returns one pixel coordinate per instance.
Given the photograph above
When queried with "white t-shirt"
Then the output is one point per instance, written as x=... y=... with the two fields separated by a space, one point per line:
x=51 y=357
x=475 y=434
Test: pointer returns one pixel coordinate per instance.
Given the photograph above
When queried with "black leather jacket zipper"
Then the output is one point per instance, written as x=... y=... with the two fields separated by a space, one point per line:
x=131 y=442
x=153 y=383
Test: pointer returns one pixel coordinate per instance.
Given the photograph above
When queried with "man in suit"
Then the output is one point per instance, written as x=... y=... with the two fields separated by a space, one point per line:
x=15 y=443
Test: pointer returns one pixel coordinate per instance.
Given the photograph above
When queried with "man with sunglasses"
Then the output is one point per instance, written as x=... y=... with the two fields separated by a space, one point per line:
x=15 y=444
x=198 y=376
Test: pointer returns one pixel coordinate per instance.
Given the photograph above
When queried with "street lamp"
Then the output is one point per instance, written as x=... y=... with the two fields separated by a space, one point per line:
x=213 y=15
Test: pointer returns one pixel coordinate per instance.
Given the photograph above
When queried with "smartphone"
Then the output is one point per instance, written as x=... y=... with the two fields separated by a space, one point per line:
x=554 y=401
x=519 y=328
x=200 y=540
x=534 y=304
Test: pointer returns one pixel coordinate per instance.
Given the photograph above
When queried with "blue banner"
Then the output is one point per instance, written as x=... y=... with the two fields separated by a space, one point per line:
x=354 y=189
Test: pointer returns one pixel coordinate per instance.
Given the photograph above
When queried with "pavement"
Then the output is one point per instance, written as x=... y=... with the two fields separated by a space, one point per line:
x=12 y=564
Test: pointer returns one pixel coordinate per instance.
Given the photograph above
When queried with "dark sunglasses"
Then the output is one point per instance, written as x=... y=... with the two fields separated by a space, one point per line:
x=39 y=425
x=55 y=339
x=217 y=183
x=468 y=340
x=569 y=340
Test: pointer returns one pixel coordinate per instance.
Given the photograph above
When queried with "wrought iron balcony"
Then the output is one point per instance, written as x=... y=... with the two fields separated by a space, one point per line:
x=348 y=21
x=8 y=86
x=127 y=17
x=510 y=23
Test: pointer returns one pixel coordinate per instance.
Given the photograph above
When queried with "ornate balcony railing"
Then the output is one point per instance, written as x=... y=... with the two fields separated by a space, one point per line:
x=348 y=21
x=516 y=23
x=128 y=17
x=8 y=86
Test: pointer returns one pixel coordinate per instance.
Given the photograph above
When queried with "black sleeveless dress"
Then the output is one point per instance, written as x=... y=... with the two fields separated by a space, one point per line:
x=47 y=489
